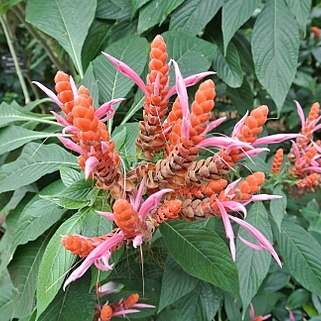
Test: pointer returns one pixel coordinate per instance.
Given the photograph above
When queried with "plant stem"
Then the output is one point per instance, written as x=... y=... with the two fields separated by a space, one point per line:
x=9 y=39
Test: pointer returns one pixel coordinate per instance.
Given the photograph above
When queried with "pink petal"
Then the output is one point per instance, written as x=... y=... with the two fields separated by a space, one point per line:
x=228 y=228
x=106 y=108
x=253 y=246
x=152 y=201
x=95 y=254
x=143 y=305
x=262 y=240
x=49 y=93
x=223 y=142
x=291 y=315
x=296 y=150
x=70 y=129
x=239 y=125
x=123 y=312
x=313 y=168
x=190 y=81
x=300 y=112
x=73 y=87
x=90 y=165
x=235 y=207
x=127 y=72
x=264 y=197
x=231 y=186
x=316 y=128
x=70 y=145
x=269 y=315
x=62 y=121
x=183 y=98
x=104 y=147
x=139 y=194
x=137 y=241
x=275 y=139
x=108 y=215
x=213 y=125
x=254 y=152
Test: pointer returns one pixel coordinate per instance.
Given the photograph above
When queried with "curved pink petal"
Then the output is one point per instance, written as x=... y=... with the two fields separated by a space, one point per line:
x=70 y=145
x=143 y=306
x=62 y=121
x=107 y=108
x=90 y=165
x=262 y=240
x=300 y=112
x=70 y=129
x=275 y=139
x=108 y=215
x=152 y=201
x=250 y=244
x=213 y=125
x=251 y=311
x=235 y=207
x=296 y=150
x=190 y=81
x=123 y=312
x=231 y=186
x=137 y=241
x=127 y=72
x=49 y=93
x=139 y=195
x=254 y=152
x=239 y=125
x=313 y=169
x=73 y=87
x=223 y=142
x=316 y=128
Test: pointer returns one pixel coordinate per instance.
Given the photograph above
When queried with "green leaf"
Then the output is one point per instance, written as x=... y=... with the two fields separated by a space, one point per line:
x=301 y=255
x=13 y=137
x=278 y=206
x=193 y=15
x=199 y=305
x=253 y=265
x=91 y=83
x=175 y=284
x=228 y=67
x=56 y=262
x=7 y=4
x=113 y=9
x=70 y=176
x=137 y=104
x=71 y=20
x=35 y=161
x=131 y=50
x=155 y=12
x=301 y=10
x=119 y=137
x=6 y=296
x=276 y=57
x=234 y=14
x=23 y=270
x=13 y=113
x=201 y=253
x=37 y=216
x=77 y=303
x=192 y=54
x=137 y=4
x=78 y=195
x=298 y=298
x=128 y=150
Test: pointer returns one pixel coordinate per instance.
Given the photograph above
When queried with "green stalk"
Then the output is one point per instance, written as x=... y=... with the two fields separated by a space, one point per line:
x=9 y=39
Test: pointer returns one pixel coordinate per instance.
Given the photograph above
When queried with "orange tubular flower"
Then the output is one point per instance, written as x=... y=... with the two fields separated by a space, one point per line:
x=277 y=161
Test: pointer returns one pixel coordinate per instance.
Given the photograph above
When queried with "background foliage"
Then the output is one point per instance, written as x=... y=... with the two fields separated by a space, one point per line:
x=263 y=53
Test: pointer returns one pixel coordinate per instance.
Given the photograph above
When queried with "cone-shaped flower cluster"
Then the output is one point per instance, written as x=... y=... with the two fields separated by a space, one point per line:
x=174 y=182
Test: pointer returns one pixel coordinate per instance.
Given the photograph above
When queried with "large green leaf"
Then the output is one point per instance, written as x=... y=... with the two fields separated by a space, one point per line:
x=37 y=216
x=199 y=305
x=175 y=284
x=301 y=255
x=77 y=303
x=56 y=262
x=70 y=176
x=67 y=21
x=155 y=12
x=253 y=265
x=278 y=206
x=235 y=13
x=35 y=161
x=193 y=15
x=301 y=10
x=276 y=57
x=133 y=51
x=137 y=4
x=23 y=270
x=91 y=83
x=13 y=113
x=13 y=137
x=201 y=253
x=6 y=296
x=113 y=9
x=192 y=54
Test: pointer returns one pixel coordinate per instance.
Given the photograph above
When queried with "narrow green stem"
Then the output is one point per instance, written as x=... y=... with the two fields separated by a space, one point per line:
x=9 y=39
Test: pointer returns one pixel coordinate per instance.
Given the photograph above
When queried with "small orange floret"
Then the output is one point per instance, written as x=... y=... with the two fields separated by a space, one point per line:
x=130 y=300
x=277 y=161
x=106 y=313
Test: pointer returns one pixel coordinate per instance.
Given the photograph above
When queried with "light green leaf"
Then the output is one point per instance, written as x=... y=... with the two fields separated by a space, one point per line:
x=138 y=103
x=113 y=9
x=35 y=161
x=298 y=298
x=71 y=20
x=128 y=149
x=253 y=265
x=234 y=14
x=192 y=54
x=23 y=270
x=301 y=10
x=175 y=284
x=75 y=304
x=193 y=15
x=201 y=253
x=70 y=176
x=13 y=137
x=278 y=206
x=301 y=255
x=56 y=262
x=155 y=12
x=119 y=137
x=276 y=57
x=13 y=113
x=133 y=51
x=6 y=296
x=91 y=83
x=78 y=195
x=37 y=216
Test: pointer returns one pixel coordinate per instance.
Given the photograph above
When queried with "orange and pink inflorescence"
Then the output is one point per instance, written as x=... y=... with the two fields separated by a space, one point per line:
x=172 y=182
